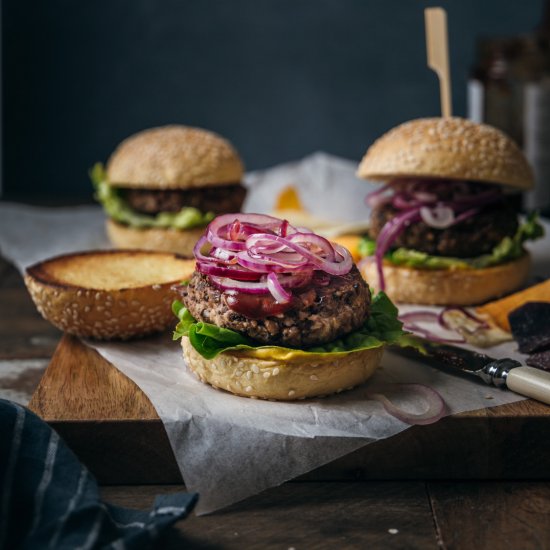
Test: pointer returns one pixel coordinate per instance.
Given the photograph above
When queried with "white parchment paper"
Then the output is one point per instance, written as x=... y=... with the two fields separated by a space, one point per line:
x=230 y=447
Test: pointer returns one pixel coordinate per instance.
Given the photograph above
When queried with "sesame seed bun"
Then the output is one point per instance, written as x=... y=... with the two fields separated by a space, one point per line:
x=288 y=380
x=108 y=295
x=174 y=157
x=460 y=287
x=164 y=240
x=447 y=148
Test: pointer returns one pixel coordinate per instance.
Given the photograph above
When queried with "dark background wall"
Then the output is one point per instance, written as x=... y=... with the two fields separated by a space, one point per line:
x=279 y=78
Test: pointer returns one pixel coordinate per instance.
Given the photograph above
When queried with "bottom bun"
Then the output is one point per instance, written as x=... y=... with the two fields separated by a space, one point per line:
x=445 y=287
x=282 y=380
x=163 y=240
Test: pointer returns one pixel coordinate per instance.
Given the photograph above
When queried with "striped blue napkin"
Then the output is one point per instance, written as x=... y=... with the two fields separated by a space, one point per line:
x=48 y=499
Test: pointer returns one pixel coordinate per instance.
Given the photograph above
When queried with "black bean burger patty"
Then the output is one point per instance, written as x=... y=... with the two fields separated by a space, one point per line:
x=472 y=237
x=220 y=199
x=319 y=314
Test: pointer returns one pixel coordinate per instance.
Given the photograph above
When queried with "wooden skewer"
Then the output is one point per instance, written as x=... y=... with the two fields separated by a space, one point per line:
x=438 y=53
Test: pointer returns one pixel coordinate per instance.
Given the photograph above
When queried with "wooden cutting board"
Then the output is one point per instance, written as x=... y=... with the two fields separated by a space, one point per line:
x=114 y=429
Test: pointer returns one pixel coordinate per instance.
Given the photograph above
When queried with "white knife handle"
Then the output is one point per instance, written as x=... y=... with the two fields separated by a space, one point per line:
x=530 y=382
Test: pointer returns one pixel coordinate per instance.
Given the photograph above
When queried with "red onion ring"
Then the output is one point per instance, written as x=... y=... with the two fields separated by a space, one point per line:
x=438 y=216
x=429 y=335
x=312 y=239
x=419 y=315
x=265 y=263
x=379 y=197
x=260 y=286
x=387 y=236
x=333 y=267
x=277 y=291
x=410 y=319
x=441 y=317
x=260 y=254
x=435 y=411
x=218 y=228
x=236 y=272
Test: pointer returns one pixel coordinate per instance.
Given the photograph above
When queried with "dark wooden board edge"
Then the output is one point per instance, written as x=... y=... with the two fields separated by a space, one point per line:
x=122 y=451
x=133 y=447
x=138 y=452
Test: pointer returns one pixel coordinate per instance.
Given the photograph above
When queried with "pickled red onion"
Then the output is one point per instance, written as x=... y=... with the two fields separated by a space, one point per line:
x=260 y=254
x=417 y=200
x=436 y=405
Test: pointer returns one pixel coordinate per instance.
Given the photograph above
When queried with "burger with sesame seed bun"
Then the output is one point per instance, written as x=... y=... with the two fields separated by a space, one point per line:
x=162 y=186
x=443 y=230
x=277 y=312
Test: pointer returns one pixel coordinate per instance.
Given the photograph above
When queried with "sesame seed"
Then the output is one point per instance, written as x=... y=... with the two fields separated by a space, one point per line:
x=314 y=377
x=248 y=389
x=291 y=393
x=255 y=369
x=248 y=374
x=275 y=371
x=267 y=374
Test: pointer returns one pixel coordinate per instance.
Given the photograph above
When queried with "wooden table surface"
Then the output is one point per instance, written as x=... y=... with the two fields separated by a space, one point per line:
x=304 y=514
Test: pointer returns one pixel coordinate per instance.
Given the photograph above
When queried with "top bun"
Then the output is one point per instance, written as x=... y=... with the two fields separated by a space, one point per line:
x=174 y=157
x=453 y=148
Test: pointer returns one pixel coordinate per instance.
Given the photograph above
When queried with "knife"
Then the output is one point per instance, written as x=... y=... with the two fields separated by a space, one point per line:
x=502 y=373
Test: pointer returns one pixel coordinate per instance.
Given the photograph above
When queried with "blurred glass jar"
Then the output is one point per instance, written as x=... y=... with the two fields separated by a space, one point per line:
x=509 y=88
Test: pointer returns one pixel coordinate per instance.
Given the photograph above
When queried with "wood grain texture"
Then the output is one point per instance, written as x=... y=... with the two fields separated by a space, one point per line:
x=23 y=332
x=306 y=515
x=9 y=276
x=84 y=396
x=80 y=385
x=486 y=516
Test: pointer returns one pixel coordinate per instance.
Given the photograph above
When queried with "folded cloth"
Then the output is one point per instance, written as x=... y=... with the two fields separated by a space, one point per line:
x=48 y=499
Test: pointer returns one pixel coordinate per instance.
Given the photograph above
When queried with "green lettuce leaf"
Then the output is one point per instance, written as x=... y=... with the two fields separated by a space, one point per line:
x=510 y=248
x=119 y=210
x=382 y=327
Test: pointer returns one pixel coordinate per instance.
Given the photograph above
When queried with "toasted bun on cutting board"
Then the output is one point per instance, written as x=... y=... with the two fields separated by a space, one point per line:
x=108 y=295
x=284 y=380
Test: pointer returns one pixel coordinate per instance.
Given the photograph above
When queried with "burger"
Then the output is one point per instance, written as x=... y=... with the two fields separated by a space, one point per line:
x=162 y=186
x=443 y=228
x=277 y=312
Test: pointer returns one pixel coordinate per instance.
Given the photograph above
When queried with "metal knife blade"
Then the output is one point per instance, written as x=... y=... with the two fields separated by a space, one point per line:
x=502 y=373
